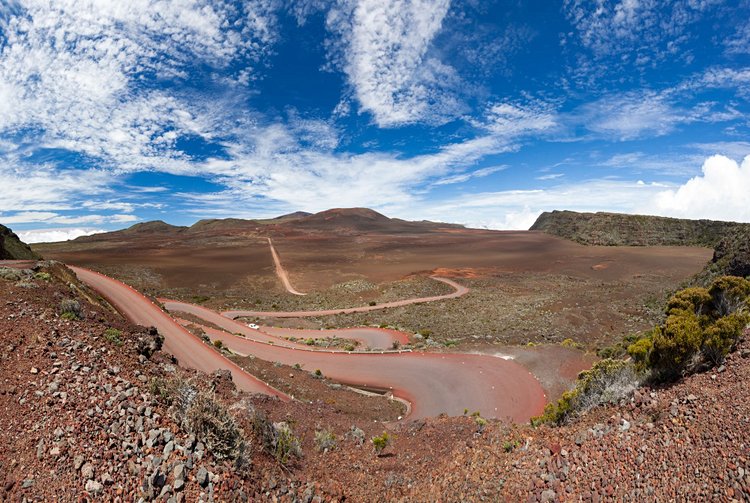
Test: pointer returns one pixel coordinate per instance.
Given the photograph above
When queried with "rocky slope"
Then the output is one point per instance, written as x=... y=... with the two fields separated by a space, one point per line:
x=731 y=257
x=615 y=229
x=12 y=248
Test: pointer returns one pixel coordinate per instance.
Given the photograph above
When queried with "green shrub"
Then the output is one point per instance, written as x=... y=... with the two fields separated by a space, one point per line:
x=608 y=381
x=639 y=352
x=425 y=333
x=113 y=335
x=508 y=446
x=325 y=440
x=379 y=443
x=480 y=422
x=702 y=327
x=218 y=343
x=318 y=373
x=730 y=294
x=570 y=343
x=70 y=309
x=44 y=276
x=372 y=303
x=349 y=347
x=276 y=438
x=310 y=342
x=212 y=424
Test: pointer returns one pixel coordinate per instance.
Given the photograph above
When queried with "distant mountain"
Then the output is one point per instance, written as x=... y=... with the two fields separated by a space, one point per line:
x=616 y=229
x=361 y=220
x=334 y=221
x=12 y=248
x=292 y=216
x=152 y=227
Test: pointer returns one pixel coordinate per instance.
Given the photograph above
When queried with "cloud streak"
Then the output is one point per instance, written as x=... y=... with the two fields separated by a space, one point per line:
x=383 y=46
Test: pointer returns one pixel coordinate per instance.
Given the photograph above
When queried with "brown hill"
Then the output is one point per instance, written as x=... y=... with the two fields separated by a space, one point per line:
x=12 y=248
x=616 y=229
x=338 y=220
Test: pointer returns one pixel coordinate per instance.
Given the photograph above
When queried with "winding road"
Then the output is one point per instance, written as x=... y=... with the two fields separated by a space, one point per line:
x=459 y=290
x=433 y=383
x=189 y=350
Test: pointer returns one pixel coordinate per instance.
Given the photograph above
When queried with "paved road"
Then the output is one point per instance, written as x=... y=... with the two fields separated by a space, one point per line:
x=190 y=351
x=281 y=272
x=459 y=291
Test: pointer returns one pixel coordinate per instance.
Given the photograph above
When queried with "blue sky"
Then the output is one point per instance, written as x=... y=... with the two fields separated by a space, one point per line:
x=476 y=112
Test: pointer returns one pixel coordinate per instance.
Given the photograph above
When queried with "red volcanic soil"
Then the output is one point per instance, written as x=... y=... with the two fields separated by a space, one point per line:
x=470 y=253
x=334 y=246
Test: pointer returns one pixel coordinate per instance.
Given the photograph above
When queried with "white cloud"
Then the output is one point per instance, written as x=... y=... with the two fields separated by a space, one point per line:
x=49 y=217
x=41 y=187
x=722 y=192
x=463 y=177
x=74 y=70
x=638 y=31
x=735 y=149
x=647 y=113
x=273 y=164
x=551 y=176
x=53 y=235
x=383 y=47
x=740 y=42
x=518 y=209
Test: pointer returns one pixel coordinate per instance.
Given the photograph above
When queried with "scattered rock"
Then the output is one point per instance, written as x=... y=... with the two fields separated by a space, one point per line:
x=87 y=471
x=202 y=476
x=93 y=487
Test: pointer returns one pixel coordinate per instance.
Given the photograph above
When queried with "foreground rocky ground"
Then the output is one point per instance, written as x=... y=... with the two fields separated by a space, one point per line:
x=85 y=417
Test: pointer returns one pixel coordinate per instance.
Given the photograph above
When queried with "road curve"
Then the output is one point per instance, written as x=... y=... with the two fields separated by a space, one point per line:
x=459 y=291
x=374 y=338
x=433 y=383
x=281 y=272
x=188 y=349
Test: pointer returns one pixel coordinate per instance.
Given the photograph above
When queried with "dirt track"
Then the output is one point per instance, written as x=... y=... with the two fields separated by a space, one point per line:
x=188 y=349
x=459 y=291
x=433 y=383
x=281 y=272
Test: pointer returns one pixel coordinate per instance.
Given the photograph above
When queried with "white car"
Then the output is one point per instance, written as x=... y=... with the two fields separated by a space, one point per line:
x=253 y=326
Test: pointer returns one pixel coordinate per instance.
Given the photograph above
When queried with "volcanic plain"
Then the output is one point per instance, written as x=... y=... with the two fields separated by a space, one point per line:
x=526 y=287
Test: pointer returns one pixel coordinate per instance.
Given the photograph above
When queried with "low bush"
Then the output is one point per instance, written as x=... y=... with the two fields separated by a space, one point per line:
x=702 y=327
x=218 y=343
x=570 y=343
x=113 y=336
x=200 y=414
x=325 y=440
x=608 y=381
x=70 y=309
x=426 y=333
x=212 y=424
x=276 y=438
x=379 y=443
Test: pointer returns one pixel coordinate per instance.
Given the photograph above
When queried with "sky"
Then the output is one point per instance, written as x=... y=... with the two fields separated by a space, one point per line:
x=475 y=112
